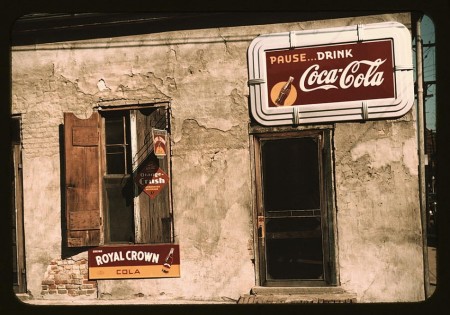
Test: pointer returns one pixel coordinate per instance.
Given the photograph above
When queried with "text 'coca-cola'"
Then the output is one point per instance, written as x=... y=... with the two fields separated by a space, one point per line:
x=332 y=73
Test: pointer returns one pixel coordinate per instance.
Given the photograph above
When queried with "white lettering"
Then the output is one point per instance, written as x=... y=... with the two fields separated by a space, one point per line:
x=155 y=179
x=334 y=54
x=314 y=79
x=371 y=78
x=148 y=256
x=129 y=255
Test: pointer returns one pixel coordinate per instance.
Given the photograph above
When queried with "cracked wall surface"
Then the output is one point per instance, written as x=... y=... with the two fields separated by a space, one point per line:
x=378 y=209
x=203 y=74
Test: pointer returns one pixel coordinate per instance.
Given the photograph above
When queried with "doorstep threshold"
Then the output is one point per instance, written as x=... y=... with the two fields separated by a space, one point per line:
x=276 y=295
x=297 y=290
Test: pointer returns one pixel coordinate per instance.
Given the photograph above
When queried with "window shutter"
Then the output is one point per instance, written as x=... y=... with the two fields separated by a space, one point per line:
x=82 y=180
x=155 y=217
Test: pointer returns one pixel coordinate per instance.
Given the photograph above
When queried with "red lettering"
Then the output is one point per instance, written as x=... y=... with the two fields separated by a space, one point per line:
x=127 y=272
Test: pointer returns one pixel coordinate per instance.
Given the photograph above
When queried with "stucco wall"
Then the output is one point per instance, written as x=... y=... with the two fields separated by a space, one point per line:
x=204 y=75
x=379 y=229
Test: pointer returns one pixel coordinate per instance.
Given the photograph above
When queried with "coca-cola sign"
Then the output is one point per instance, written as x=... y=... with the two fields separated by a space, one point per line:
x=349 y=73
x=332 y=73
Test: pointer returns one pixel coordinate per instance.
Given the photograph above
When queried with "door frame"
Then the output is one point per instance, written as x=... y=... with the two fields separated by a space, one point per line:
x=20 y=283
x=326 y=169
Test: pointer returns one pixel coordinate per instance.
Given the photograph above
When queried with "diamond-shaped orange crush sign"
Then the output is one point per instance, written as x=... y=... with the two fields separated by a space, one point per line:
x=152 y=179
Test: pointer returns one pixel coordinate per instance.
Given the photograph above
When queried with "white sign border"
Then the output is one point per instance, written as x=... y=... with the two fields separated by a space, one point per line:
x=338 y=111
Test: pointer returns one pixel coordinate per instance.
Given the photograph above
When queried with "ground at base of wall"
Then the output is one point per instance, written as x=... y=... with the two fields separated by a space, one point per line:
x=287 y=295
x=119 y=302
x=295 y=298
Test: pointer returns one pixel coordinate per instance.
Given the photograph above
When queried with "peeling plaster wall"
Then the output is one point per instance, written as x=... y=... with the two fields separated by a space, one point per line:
x=203 y=73
x=378 y=209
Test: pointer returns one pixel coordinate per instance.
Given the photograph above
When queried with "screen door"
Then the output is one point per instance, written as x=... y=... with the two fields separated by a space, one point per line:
x=292 y=220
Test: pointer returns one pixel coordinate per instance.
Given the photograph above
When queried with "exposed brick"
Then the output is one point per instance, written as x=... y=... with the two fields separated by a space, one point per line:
x=90 y=291
x=61 y=277
x=52 y=291
x=87 y=286
x=48 y=282
x=61 y=282
x=94 y=283
x=72 y=292
x=52 y=287
x=62 y=291
x=72 y=286
x=45 y=292
x=44 y=287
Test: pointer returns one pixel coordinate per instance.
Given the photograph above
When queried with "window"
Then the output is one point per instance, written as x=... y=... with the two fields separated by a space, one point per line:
x=103 y=156
x=118 y=178
x=294 y=208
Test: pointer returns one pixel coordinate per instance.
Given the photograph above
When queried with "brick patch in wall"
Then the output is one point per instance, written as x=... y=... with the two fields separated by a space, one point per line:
x=67 y=277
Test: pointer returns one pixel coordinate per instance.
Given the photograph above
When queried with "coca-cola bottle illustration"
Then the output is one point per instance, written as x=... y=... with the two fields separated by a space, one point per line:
x=284 y=92
x=168 y=261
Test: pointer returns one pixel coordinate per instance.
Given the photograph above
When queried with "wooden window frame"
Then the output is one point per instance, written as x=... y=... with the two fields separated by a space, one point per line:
x=84 y=170
x=139 y=235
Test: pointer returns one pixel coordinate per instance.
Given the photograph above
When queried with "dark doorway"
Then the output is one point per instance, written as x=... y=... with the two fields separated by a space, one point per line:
x=293 y=220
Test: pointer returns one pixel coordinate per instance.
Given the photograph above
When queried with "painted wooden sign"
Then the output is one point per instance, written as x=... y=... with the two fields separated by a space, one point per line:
x=134 y=261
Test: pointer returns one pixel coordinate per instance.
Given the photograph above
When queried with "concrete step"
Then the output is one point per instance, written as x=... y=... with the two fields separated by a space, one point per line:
x=283 y=295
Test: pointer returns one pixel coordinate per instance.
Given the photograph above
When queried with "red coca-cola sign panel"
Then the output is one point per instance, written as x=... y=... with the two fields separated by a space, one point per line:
x=330 y=73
